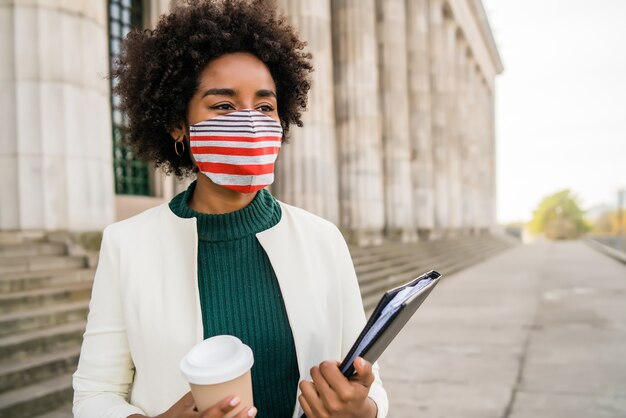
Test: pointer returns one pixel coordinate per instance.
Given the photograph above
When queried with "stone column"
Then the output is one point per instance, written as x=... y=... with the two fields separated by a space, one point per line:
x=483 y=158
x=478 y=125
x=392 y=58
x=56 y=169
x=492 y=155
x=471 y=164
x=452 y=126
x=357 y=119
x=306 y=169
x=462 y=134
x=439 y=119
x=418 y=39
x=487 y=160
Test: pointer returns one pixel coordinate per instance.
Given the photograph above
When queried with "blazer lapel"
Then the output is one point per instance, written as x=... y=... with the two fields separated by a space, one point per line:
x=294 y=261
x=179 y=246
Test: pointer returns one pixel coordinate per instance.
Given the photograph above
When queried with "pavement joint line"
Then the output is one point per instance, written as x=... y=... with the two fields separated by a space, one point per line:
x=520 y=367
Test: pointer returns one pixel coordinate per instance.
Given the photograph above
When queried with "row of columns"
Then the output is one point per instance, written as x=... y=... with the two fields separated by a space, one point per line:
x=411 y=142
x=398 y=139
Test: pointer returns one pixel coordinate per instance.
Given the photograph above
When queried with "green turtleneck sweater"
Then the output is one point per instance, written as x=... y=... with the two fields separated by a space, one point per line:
x=240 y=296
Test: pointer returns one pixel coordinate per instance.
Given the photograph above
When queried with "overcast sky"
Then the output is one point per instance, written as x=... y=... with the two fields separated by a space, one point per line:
x=561 y=101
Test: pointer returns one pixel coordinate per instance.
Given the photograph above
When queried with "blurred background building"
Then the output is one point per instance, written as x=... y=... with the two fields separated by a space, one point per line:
x=398 y=140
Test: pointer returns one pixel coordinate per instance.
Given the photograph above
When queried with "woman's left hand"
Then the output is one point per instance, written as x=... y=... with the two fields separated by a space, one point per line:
x=331 y=395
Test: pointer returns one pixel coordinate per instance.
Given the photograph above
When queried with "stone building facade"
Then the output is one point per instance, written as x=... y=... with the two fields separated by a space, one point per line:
x=398 y=141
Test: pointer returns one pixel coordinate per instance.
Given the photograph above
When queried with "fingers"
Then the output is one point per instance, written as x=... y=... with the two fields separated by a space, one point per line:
x=187 y=401
x=331 y=392
x=337 y=381
x=247 y=413
x=305 y=407
x=364 y=374
x=311 y=399
x=319 y=382
x=329 y=398
x=225 y=406
x=184 y=407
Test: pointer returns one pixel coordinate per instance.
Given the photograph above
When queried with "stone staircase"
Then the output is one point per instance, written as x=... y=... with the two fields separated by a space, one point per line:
x=390 y=265
x=44 y=297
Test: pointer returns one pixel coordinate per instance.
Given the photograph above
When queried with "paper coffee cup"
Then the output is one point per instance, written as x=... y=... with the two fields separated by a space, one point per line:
x=219 y=367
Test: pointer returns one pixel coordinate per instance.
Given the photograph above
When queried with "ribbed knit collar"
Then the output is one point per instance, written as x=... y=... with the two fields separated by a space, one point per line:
x=262 y=213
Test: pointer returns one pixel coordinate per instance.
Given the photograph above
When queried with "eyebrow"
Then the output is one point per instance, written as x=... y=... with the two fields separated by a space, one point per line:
x=220 y=92
x=265 y=93
x=231 y=92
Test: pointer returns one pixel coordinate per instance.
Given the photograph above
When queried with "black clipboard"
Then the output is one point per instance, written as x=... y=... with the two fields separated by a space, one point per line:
x=393 y=325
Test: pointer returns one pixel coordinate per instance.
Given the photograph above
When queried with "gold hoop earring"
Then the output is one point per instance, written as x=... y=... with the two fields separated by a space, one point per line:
x=176 y=142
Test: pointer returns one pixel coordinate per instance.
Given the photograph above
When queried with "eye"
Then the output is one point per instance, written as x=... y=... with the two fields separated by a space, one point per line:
x=265 y=108
x=223 y=106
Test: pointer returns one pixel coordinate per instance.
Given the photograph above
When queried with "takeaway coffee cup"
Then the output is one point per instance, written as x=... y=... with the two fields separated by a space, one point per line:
x=219 y=367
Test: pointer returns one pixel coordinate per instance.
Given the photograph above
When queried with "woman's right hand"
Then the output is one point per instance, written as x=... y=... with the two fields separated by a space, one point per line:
x=185 y=407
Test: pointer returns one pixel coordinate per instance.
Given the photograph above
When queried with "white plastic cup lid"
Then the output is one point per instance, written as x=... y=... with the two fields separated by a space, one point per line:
x=216 y=360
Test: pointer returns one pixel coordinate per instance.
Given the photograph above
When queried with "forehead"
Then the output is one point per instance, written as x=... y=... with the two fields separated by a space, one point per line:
x=240 y=71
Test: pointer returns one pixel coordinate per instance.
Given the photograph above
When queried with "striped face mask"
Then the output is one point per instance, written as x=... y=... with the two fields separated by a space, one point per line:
x=237 y=150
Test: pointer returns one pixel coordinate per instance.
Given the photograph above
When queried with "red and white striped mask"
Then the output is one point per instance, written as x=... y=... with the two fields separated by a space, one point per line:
x=237 y=150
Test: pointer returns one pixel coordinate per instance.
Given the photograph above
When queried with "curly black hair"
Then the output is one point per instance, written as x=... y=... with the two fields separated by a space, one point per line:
x=158 y=71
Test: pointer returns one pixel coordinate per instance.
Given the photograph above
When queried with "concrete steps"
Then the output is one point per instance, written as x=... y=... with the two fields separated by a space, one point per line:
x=18 y=237
x=34 y=298
x=15 y=374
x=21 y=321
x=22 y=281
x=384 y=267
x=63 y=412
x=39 y=398
x=44 y=300
x=30 y=343
x=41 y=263
x=30 y=249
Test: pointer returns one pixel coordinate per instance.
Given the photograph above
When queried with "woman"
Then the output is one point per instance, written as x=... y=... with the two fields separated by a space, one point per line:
x=211 y=92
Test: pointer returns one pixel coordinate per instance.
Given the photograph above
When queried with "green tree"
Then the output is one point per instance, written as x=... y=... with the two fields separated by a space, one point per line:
x=559 y=216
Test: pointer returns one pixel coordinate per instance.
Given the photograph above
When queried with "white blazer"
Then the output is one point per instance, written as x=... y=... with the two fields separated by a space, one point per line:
x=145 y=315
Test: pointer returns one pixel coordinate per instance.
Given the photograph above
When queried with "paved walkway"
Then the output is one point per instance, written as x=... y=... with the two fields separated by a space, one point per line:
x=538 y=331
